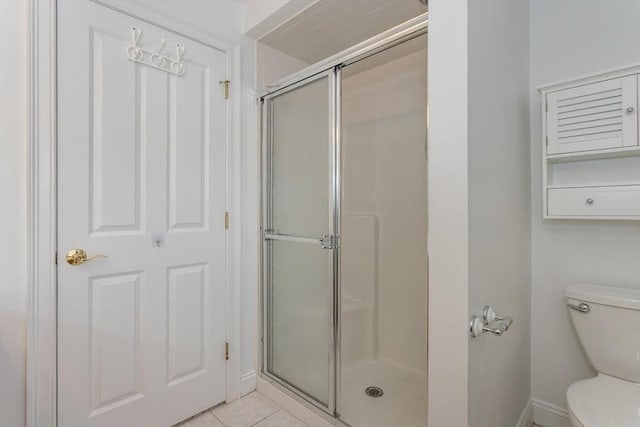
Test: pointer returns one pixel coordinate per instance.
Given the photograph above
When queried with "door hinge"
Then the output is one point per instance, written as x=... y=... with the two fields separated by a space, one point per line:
x=226 y=87
x=55 y=258
x=546 y=106
x=547 y=140
x=226 y=350
x=226 y=220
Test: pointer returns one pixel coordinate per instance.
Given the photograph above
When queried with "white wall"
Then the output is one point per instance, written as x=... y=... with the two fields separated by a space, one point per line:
x=227 y=19
x=499 y=221
x=273 y=65
x=448 y=214
x=13 y=210
x=257 y=10
x=263 y=16
x=223 y=19
x=571 y=38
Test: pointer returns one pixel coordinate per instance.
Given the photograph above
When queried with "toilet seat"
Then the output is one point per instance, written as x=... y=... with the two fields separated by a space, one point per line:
x=605 y=401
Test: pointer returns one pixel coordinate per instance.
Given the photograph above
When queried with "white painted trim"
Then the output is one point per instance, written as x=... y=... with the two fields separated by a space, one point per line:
x=248 y=382
x=41 y=406
x=526 y=418
x=41 y=314
x=548 y=415
x=234 y=233
x=590 y=78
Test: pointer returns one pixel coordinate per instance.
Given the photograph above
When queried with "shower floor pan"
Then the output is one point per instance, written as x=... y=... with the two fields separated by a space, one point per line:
x=404 y=402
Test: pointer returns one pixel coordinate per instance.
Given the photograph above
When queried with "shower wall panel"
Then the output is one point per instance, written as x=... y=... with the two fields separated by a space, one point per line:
x=384 y=202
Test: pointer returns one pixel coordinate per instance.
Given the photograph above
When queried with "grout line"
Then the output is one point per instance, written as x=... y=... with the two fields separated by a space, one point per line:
x=270 y=400
x=242 y=398
x=214 y=416
x=262 y=419
x=297 y=418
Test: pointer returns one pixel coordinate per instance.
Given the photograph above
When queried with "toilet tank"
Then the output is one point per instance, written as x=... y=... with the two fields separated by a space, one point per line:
x=610 y=330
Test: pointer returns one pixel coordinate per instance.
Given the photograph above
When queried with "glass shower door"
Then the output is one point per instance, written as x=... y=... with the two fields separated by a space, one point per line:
x=299 y=255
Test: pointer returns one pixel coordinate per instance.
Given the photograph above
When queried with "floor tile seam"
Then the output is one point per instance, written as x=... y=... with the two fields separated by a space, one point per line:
x=261 y=420
x=298 y=419
x=214 y=416
x=278 y=408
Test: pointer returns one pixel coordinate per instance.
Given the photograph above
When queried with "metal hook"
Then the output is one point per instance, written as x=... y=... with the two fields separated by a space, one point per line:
x=133 y=51
x=163 y=42
x=158 y=59
x=177 y=66
x=136 y=33
x=179 y=53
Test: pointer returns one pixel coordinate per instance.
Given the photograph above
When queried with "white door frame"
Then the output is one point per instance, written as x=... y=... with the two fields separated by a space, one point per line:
x=42 y=222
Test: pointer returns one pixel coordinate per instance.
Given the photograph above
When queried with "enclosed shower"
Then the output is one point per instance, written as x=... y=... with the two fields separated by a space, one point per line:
x=344 y=201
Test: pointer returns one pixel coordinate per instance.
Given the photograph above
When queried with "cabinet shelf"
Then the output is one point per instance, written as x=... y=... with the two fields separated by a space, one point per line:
x=595 y=185
x=590 y=147
x=609 y=153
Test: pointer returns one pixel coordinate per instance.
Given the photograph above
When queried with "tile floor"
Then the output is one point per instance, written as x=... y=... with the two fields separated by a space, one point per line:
x=252 y=410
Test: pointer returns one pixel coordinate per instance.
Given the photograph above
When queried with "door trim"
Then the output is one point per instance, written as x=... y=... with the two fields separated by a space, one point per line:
x=41 y=211
x=41 y=379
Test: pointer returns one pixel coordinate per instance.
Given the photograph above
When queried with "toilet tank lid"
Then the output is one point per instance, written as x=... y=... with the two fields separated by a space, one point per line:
x=607 y=295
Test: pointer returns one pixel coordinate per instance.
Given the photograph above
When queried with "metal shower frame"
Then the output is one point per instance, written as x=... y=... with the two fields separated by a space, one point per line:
x=329 y=68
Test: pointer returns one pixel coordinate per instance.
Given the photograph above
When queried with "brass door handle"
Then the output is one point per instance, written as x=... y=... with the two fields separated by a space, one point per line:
x=78 y=256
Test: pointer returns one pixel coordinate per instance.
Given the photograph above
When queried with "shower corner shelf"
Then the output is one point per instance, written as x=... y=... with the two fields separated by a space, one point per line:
x=591 y=151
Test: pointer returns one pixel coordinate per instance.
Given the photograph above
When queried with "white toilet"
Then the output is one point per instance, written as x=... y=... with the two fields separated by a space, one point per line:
x=607 y=321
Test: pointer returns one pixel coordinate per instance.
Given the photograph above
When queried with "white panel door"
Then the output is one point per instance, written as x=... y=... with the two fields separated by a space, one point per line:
x=141 y=179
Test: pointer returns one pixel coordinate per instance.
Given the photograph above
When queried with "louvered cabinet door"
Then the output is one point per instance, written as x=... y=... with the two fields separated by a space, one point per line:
x=596 y=116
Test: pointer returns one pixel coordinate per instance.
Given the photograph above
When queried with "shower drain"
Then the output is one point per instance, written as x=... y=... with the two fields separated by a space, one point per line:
x=373 y=391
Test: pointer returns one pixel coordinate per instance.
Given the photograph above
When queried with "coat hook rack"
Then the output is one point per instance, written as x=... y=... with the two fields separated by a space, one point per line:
x=157 y=59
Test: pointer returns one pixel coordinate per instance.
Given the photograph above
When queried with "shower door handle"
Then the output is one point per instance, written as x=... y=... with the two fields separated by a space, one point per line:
x=288 y=238
x=327 y=241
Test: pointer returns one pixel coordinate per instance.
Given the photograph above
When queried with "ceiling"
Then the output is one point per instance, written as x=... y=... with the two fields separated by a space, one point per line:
x=330 y=26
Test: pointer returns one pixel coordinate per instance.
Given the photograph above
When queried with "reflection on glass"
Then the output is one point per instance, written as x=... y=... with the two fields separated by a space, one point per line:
x=300 y=274
x=300 y=160
x=299 y=316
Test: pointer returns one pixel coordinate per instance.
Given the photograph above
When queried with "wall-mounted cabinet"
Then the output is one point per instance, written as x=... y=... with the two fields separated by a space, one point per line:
x=591 y=156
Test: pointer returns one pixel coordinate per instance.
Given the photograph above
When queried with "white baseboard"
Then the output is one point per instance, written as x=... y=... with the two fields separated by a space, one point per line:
x=247 y=383
x=526 y=419
x=548 y=415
